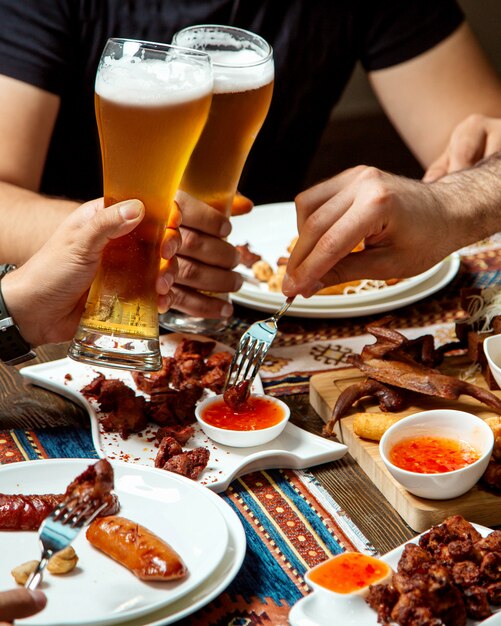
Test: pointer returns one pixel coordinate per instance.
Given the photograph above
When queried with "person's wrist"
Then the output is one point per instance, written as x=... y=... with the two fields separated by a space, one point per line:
x=458 y=223
x=14 y=348
x=16 y=296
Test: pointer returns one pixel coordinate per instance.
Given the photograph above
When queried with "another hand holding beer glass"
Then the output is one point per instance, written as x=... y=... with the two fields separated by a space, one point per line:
x=243 y=85
x=152 y=101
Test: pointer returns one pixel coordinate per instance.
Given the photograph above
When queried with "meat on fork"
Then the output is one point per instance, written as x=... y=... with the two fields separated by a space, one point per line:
x=94 y=486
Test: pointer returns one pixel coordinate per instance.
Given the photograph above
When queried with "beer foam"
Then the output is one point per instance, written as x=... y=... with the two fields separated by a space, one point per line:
x=240 y=70
x=131 y=80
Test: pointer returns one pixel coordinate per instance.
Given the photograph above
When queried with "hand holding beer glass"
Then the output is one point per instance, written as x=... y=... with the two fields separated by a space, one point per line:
x=243 y=84
x=152 y=101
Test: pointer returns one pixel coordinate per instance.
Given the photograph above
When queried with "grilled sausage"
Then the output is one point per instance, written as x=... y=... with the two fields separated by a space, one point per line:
x=92 y=486
x=26 y=512
x=136 y=548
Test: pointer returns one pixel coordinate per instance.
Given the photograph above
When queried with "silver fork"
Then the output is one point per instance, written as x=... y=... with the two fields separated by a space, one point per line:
x=253 y=348
x=58 y=530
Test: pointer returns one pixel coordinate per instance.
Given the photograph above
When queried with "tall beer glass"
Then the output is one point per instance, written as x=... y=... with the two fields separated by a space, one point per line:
x=243 y=84
x=152 y=101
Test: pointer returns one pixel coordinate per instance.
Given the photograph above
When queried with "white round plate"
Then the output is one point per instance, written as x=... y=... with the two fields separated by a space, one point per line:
x=101 y=591
x=448 y=268
x=314 y=610
x=269 y=229
x=213 y=586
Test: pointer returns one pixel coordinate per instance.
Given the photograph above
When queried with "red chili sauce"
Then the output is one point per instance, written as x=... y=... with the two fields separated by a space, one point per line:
x=254 y=414
x=349 y=572
x=432 y=455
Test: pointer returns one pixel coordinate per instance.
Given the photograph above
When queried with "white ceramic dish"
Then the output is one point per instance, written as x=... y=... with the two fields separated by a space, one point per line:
x=361 y=592
x=447 y=270
x=269 y=229
x=295 y=448
x=171 y=506
x=314 y=610
x=242 y=438
x=213 y=586
x=447 y=423
x=492 y=350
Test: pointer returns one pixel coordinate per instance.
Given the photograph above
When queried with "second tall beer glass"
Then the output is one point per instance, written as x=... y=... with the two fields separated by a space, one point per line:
x=243 y=85
x=152 y=101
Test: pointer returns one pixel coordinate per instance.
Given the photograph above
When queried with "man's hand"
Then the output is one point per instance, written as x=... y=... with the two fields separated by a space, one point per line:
x=476 y=138
x=46 y=296
x=205 y=261
x=404 y=224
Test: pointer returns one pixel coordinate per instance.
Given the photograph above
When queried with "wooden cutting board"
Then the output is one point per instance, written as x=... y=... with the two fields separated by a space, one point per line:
x=478 y=505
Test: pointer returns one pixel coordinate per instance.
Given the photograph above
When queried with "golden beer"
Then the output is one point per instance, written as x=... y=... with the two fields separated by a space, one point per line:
x=243 y=85
x=238 y=110
x=150 y=114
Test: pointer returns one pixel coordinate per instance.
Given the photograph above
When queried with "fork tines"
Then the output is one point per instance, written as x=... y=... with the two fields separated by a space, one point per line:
x=246 y=361
x=80 y=515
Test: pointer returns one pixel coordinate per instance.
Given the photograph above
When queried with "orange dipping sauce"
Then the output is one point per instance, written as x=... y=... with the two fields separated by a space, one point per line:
x=255 y=414
x=349 y=572
x=432 y=455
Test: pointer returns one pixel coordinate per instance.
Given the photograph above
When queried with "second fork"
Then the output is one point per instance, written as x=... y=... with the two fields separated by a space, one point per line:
x=253 y=348
x=58 y=530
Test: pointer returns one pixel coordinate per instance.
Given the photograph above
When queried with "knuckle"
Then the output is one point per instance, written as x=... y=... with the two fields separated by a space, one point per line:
x=474 y=119
x=378 y=195
x=361 y=170
x=313 y=222
x=190 y=239
x=300 y=200
x=177 y=298
x=188 y=271
x=463 y=148
x=325 y=244
x=369 y=173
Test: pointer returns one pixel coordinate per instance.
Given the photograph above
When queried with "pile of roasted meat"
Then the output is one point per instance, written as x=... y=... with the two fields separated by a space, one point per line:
x=173 y=393
x=399 y=370
x=451 y=574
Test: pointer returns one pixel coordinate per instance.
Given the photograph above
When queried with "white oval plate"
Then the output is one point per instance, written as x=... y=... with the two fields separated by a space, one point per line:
x=446 y=272
x=269 y=229
x=101 y=591
x=213 y=586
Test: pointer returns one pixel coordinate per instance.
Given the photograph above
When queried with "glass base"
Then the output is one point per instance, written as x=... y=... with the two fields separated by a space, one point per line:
x=118 y=351
x=181 y=323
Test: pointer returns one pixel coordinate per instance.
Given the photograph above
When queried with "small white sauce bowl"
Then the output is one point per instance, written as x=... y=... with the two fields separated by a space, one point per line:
x=242 y=438
x=358 y=594
x=450 y=424
x=492 y=351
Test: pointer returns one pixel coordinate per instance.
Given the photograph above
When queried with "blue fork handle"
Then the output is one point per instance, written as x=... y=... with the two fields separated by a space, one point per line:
x=36 y=578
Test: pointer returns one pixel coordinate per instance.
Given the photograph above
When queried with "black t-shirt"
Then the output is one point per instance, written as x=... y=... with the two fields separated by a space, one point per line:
x=56 y=45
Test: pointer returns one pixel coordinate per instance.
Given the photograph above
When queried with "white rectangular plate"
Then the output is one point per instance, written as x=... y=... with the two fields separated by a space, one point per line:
x=295 y=448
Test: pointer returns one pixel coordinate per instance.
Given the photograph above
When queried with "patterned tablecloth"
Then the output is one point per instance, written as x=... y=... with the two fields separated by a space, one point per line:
x=291 y=522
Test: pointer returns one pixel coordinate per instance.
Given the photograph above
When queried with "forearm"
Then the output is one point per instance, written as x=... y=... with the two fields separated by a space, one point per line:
x=27 y=220
x=472 y=202
x=428 y=96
